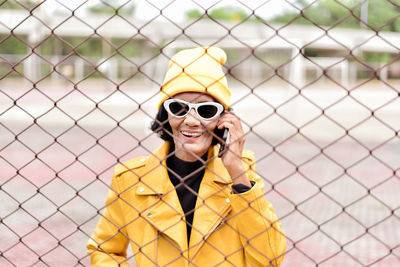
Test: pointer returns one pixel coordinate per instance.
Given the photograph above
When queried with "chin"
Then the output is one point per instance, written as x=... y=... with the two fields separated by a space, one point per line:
x=193 y=148
x=192 y=145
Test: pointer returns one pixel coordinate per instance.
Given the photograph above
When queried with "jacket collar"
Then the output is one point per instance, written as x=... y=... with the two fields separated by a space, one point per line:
x=216 y=169
x=155 y=178
x=157 y=181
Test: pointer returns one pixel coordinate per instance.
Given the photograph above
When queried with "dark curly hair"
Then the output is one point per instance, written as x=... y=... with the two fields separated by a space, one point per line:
x=163 y=129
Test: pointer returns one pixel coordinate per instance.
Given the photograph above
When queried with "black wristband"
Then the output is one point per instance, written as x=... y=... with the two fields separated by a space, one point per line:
x=241 y=188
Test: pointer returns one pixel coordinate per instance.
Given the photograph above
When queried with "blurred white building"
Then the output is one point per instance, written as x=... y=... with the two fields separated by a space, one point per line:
x=256 y=51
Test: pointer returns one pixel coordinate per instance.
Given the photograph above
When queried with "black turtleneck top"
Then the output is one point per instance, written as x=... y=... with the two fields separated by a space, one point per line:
x=186 y=177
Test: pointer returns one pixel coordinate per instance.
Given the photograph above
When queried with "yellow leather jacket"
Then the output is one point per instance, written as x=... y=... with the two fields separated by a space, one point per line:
x=143 y=209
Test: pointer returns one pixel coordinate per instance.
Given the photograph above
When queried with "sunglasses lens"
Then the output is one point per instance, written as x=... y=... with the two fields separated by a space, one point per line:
x=178 y=108
x=207 y=111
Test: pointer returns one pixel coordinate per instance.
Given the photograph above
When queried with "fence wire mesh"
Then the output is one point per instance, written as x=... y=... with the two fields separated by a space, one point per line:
x=317 y=91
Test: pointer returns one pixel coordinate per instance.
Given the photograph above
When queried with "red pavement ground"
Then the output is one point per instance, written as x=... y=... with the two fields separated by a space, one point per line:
x=339 y=206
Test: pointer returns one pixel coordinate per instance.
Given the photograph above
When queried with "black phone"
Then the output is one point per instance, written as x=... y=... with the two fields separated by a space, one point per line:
x=222 y=144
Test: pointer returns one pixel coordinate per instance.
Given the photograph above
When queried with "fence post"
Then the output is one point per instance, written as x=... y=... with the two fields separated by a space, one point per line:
x=297 y=67
x=79 y=69
x=32 y=65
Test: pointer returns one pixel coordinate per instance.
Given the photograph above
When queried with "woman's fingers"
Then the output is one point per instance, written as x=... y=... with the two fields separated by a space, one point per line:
x=232 y=122
x=228 y=116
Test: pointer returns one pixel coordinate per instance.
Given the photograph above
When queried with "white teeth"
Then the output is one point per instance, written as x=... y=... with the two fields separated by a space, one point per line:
x=191 y=134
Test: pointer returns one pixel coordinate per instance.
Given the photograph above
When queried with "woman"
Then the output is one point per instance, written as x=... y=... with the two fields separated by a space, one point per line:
x=184 y=205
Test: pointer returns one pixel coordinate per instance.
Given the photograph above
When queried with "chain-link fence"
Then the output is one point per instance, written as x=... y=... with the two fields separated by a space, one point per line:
x=316 y=84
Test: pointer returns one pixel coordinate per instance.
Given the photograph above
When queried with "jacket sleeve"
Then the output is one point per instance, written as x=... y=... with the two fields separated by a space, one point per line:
x=260 y=230
x=108 y=244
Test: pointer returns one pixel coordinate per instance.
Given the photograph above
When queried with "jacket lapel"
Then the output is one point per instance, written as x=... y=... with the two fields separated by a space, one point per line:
x=162 y=208
x=212 y=204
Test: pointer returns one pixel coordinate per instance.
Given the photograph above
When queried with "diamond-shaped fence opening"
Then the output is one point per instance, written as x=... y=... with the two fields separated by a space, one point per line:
x=316 y=85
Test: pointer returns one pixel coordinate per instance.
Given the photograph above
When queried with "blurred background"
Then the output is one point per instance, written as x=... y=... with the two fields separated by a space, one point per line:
x=316 y=84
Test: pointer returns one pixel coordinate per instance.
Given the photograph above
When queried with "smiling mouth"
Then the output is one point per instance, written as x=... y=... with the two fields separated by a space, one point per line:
x=191 y=134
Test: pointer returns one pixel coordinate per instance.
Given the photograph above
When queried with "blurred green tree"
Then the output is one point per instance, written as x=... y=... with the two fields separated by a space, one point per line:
x=10 y=44
x=22 y=4
x=114 y=6
x=223 y=13
x=382 y=14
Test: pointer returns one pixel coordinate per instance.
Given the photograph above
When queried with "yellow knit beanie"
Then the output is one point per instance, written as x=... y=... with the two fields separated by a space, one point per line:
x=197 y=70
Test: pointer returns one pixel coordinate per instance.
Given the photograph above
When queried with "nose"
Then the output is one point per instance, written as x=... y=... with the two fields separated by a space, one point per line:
x=192 y=118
